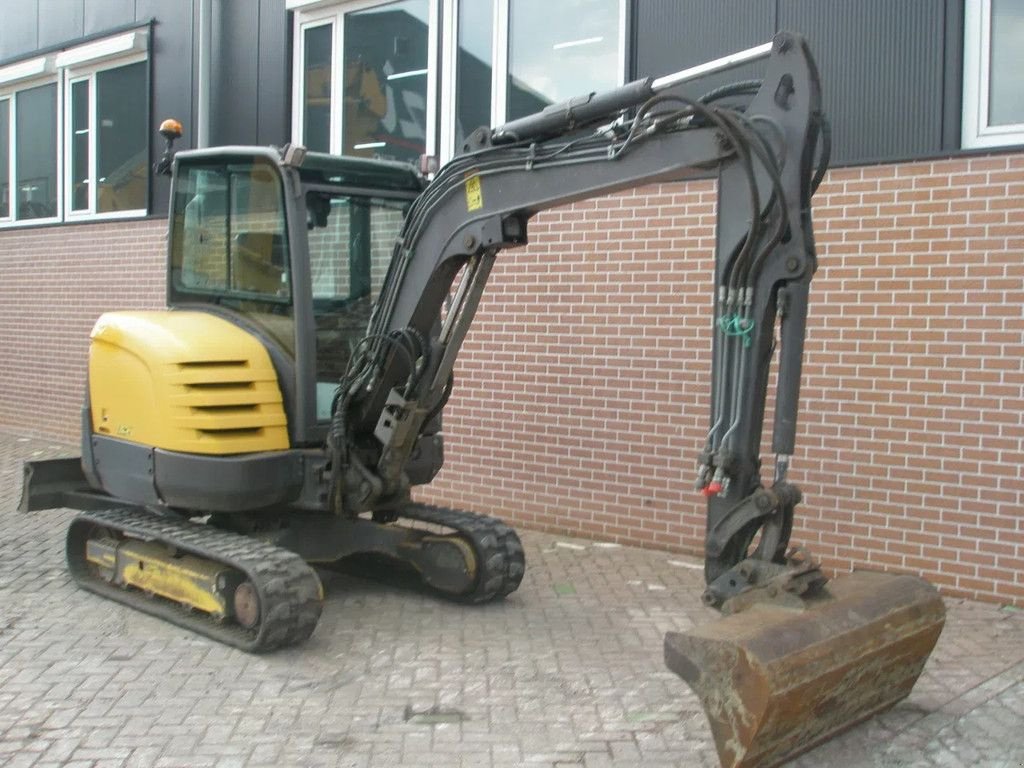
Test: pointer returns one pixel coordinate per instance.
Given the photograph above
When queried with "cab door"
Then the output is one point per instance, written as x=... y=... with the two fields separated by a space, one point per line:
x=351 y=239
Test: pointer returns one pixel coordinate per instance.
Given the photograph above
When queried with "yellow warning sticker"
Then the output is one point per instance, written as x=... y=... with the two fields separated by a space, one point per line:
x=474 y=194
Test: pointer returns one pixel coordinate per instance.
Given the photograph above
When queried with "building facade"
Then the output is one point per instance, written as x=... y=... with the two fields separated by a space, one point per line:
x=580 y=404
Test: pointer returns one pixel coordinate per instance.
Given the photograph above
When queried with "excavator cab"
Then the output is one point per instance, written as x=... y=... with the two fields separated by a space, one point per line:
x=302 y=269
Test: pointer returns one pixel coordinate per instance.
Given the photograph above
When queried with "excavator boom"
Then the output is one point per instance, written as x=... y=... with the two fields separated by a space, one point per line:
x=482 y=201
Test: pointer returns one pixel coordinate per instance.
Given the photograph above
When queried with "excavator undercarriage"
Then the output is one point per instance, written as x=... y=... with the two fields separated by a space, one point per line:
x=278 y=415
x=247 y=579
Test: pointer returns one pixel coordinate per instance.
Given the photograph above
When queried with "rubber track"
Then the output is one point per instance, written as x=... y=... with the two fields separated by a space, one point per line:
x=500 y=559
x=289 y=590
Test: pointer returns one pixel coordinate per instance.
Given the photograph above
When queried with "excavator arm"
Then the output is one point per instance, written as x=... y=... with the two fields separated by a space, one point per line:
x=482 y=202
x=794 y=661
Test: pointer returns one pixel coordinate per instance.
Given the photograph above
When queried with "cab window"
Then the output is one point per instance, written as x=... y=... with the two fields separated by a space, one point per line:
x=229 y=233
x=229 y=243
x=350 y=244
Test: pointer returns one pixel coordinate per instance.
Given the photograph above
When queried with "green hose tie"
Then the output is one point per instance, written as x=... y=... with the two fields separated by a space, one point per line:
x=735 y=326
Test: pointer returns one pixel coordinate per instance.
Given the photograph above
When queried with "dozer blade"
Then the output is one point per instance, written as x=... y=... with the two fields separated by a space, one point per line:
x=776 y=682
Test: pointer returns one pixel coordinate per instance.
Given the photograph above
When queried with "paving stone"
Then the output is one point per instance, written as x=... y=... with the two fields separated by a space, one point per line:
x=566 y=672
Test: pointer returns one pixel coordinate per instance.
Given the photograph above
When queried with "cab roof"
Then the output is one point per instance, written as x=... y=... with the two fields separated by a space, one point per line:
x=359 y=172
x=323 y=168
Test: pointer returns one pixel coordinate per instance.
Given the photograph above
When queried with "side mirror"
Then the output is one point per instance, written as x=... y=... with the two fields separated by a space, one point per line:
x=170 y=129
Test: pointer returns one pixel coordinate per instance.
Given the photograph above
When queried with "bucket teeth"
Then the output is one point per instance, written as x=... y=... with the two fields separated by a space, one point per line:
x=775 y=682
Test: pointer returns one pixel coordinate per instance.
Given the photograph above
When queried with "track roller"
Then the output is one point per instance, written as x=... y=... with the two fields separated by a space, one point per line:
x=462 y=556
x=495 y=556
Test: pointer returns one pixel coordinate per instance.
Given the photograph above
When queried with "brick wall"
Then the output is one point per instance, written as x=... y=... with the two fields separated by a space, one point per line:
x=580 y=404
x=580 y=398
x=54 y=283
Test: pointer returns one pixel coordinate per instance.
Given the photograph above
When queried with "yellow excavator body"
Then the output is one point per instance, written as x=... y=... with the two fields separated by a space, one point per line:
x=184 y=381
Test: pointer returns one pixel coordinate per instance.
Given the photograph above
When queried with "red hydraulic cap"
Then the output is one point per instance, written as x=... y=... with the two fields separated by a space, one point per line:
x=712 y=488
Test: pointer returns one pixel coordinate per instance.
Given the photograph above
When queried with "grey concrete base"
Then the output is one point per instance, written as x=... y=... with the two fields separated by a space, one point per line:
x=566 y=672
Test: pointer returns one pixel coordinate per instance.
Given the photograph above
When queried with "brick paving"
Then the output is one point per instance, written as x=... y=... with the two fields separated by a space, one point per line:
x=566 y=672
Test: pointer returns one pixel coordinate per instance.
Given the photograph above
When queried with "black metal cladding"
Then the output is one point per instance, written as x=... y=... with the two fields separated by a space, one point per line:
x=249 y=72
x=60 y=21
x=100 y=15
x=891 y=69
x=19 y=31
x=29 y=26
x=40 y=25
x=671 y=35
x=172 y=67
x=883 y=65
x=274 y=70
x=250 y=88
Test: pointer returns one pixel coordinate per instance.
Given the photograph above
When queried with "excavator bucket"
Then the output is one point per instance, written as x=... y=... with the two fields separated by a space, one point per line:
x=776 y=681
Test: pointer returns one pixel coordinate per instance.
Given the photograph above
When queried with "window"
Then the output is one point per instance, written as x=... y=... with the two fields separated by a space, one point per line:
x=559 y=50
x=993 y=62
x=349 y=253
x=28 y=152
x=366 y=83
x=384 y=58
x=70 y=118
x=317 y=63
x=363 y=74
x=108 y=143
x=229 y=234
x=229 y=242
x=35 y=152
x=474 y=68
x=5 y=159
x=511 y=58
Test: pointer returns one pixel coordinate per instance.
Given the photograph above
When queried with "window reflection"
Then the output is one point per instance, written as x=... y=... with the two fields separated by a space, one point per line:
x=1006 y=97
x=385 y=81
x=316 y=117
x=80 y=145
x=36 y=152
x=5 y=154
x=473 y=69
x=560 y=50
x=122 y=150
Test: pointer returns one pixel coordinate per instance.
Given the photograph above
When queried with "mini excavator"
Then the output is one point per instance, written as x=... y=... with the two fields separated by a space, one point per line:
x=279 y=412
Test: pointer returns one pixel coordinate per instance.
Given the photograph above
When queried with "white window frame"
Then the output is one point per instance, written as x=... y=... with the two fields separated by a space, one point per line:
x=10 y=91
x=11 y=196
x=69 y=81
x=499 y=65
x=976 y=130
x=441 y=81
x=87 y=72
x=303 y=22
x=62 y=68
x=314 y=13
